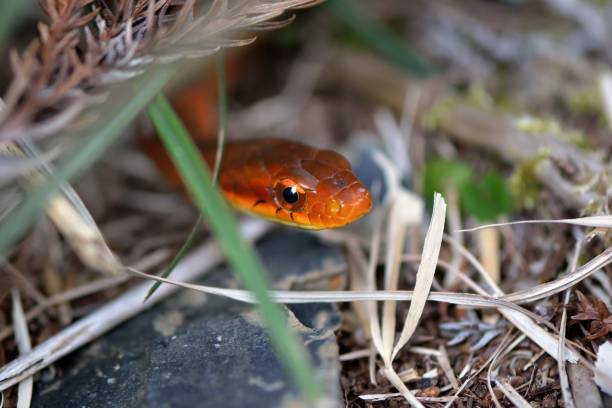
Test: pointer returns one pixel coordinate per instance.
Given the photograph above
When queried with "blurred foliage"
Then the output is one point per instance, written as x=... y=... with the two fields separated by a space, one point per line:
x=289 y=36
x=587 y=101
x=524 y=183
x=10 y=13
x=486 y=199
x=440 y=175
x=535 y=126
x=377 y=36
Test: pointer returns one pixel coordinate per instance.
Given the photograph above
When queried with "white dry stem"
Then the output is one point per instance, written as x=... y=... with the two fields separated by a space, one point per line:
x=596 y=221
x=405 y=210
x=372 y=306
x=585 y=391
x=24 y=344
x=447 y=368
x=372 y=365
x=396 y=235
x=401 y=387
x=124 y=307
x=391 y=176
x=299 y=297
x=76 y=225
x=354 y=355
x=563 y=379
x=394 y=141
x=564 y=282
x=384 y=397
x=84 y=237
x=358 y=280
x=603 y=367
x=605 y=87
x=488 y=244
x=568 y=400
x=512 y=394
x=425 y=273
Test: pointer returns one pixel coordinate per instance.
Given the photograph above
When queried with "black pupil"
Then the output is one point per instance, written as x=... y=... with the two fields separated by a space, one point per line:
x=290 y=195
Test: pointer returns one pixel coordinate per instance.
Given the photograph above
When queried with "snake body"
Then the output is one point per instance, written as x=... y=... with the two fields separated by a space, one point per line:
x=284 y=181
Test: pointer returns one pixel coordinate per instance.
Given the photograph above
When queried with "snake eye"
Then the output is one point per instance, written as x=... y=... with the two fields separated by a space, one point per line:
x=290 y=195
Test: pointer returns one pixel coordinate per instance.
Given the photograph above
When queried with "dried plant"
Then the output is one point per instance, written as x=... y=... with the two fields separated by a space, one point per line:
x=86 y=45
x=593 y=310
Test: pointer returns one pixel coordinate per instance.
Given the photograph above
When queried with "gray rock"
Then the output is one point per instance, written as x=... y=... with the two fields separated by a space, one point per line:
x=205 y=351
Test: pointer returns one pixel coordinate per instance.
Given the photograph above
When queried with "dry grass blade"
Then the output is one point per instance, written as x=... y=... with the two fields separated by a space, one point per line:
x=76 y=224
x=425 y=273
x=603 y=368
x=24 y=344
x=525 y=324
x=372 y=306
x=358 y=269
x=512 y=394
x=444 y=362
x=84 y=237
x=596 y=221
x=568 y=400
x=129 y=304
x=605 y=86
x=401 y=387
x=398 y=221
x=297 y=297
x=151 y=260
x=560 y=284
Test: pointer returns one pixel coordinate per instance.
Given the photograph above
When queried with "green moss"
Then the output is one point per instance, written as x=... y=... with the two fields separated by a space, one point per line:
x=435 y=118
x=539 y=126
x=585 y=101
x=524 y=183
x=478 y=96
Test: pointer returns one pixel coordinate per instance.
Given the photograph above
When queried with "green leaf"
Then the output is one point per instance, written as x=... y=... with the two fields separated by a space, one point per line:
x=195 y=230
x=487 y=199
x=240 y=254
x=440 y=175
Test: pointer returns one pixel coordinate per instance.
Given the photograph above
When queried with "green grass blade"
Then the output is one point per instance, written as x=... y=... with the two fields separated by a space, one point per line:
x=379 y=37
x=222 y=120
x=191 y=238
x=18 y=222
x=240 y=254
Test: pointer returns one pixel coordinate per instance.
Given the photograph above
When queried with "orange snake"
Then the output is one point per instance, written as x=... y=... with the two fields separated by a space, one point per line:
x=283 y=181
x=277 y=179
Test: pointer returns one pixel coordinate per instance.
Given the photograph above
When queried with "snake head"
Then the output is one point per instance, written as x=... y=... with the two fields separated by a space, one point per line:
x=292 y=183
x=320 y=192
